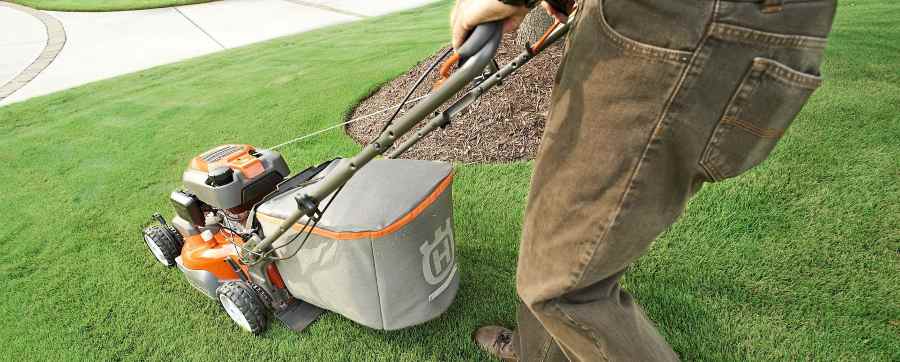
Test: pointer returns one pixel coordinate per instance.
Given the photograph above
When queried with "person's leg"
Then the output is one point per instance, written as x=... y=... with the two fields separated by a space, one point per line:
x=587 y=195
x=655 y=97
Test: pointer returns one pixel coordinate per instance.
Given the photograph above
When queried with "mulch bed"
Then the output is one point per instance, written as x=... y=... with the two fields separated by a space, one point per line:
x=505 y=125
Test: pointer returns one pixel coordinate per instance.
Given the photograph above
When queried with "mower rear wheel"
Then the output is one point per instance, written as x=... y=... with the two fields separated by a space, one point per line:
x=243 y=306
x=164 y=243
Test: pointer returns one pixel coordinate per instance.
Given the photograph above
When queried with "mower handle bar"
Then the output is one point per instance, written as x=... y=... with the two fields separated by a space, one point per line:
x=491 y=79
x=478 y=50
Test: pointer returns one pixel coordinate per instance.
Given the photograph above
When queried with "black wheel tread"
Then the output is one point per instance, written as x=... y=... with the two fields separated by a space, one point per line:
x=248 y=303
x=168 y=241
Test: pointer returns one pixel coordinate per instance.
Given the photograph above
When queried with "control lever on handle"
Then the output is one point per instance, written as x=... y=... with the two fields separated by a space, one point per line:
x=476 y=40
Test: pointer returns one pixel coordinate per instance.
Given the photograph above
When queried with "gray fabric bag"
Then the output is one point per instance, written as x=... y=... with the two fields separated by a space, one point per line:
x=383 y=254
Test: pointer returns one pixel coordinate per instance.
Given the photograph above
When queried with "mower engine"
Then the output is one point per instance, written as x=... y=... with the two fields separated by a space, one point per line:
x=234 y=177
x=222 y=185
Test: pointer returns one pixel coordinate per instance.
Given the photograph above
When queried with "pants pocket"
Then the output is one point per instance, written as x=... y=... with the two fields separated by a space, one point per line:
x=760 y=111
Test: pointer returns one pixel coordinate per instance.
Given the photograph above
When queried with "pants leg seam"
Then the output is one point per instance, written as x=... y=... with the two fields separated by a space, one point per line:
x=546 y=348
x=595 y=335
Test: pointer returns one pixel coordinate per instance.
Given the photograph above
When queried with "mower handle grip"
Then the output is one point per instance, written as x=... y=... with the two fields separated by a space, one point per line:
x=482 y=34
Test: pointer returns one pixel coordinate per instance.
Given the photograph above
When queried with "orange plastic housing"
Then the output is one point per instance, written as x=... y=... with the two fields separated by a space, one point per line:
x=236 y=157
x=199 y=254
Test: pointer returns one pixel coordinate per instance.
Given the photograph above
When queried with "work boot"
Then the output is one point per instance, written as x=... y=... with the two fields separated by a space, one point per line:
x=496 y=341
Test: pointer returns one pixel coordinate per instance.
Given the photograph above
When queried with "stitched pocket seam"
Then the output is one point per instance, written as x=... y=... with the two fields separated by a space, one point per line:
x=635 y=47
x=770 y=133
x=781 y=72
x=766 y=39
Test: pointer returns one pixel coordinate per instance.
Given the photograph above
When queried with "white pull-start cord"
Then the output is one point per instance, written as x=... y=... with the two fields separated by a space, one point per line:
x=326 y=129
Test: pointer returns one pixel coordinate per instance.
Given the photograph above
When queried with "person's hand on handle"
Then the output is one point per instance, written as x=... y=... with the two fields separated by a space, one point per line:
x=570 y=6
x=467 y=14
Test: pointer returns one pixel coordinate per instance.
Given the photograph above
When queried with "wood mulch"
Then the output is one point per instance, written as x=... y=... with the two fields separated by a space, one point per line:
x=505 y=125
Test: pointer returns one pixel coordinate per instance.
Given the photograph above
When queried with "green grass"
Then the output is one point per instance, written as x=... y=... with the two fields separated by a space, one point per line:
x=103 y=5
x=798 y=260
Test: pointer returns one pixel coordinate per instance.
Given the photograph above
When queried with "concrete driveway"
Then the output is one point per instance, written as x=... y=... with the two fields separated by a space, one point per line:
x=46 y=51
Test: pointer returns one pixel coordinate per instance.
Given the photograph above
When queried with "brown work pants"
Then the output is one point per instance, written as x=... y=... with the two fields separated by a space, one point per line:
x=653 y=98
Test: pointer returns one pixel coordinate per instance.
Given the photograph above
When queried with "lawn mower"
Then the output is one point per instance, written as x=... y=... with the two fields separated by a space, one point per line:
x=370 y=239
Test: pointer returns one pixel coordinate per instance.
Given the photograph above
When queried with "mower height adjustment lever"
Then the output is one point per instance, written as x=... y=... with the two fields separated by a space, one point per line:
x=160 y=219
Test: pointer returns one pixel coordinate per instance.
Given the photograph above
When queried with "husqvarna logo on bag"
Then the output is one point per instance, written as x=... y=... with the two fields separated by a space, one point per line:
x=439 y=259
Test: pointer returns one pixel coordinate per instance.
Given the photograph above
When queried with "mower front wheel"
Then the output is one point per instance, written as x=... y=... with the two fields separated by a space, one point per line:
x=243 y=306
x=164 y=243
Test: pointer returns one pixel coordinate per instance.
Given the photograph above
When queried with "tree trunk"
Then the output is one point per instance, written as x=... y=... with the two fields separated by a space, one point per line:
x=534 y=25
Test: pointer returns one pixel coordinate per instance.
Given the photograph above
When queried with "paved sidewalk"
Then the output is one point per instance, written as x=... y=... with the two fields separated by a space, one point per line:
x=19 y=48
x=103 y=45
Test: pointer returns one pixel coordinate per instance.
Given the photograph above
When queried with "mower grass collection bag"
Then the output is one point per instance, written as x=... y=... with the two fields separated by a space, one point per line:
x=383 y=254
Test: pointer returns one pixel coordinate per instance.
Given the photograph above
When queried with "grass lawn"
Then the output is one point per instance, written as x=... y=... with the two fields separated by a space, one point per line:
x=799 y=260
x=103 y=5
